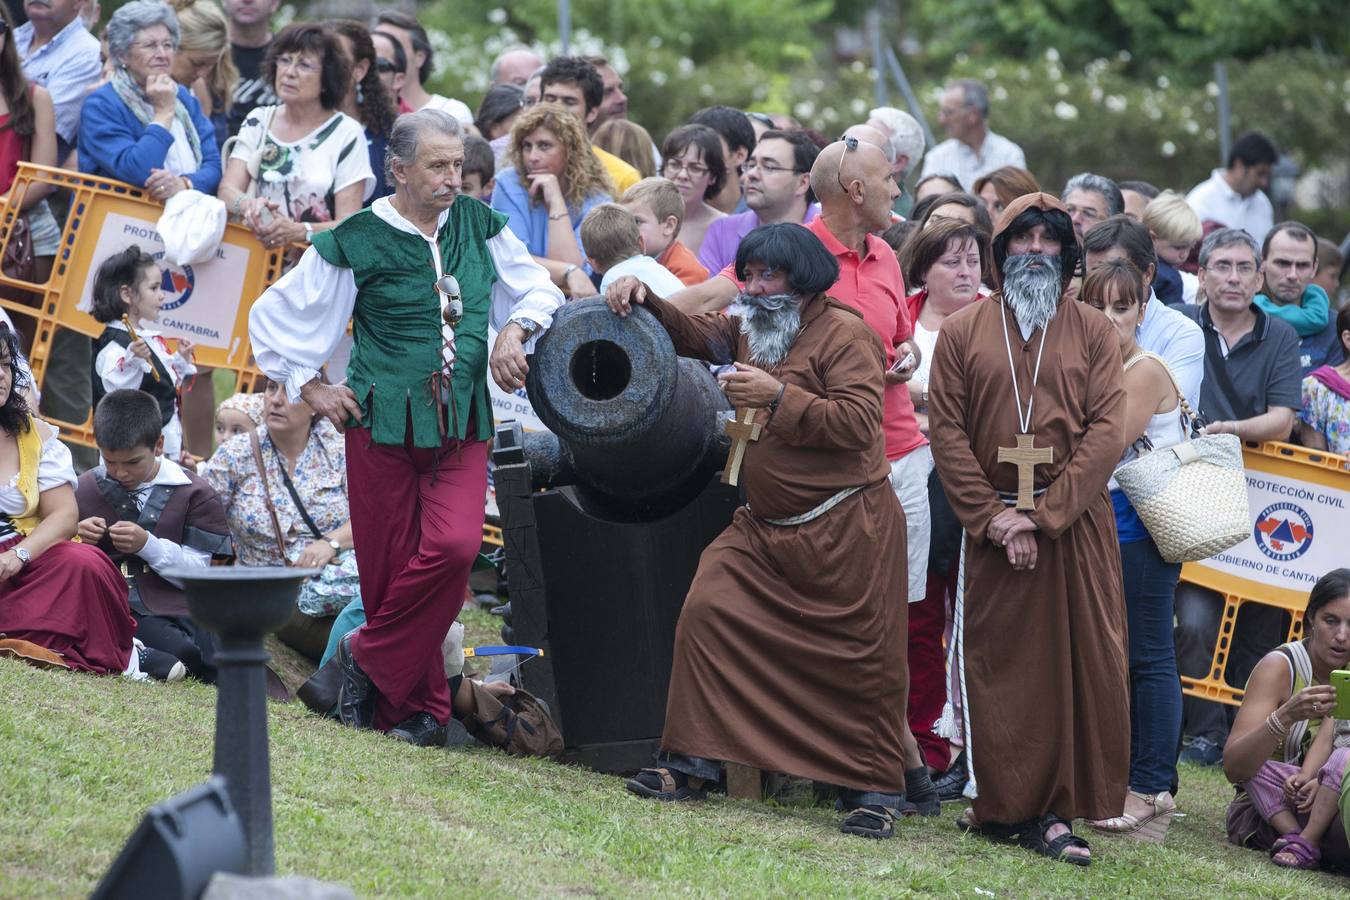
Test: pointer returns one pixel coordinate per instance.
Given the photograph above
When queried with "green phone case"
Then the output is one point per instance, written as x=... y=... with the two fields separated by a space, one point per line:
x=1340 y=680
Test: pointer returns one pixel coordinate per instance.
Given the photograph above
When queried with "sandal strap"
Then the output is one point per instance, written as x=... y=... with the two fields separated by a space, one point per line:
x=884 y=818
x=668 y=784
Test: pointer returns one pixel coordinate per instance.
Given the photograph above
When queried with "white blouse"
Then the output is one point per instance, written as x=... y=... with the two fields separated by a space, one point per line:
x=118 y=368
x=54 y=469
x=296 y=325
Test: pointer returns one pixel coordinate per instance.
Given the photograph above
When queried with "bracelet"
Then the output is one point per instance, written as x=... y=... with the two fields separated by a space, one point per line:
x=237 y=205
x=773 y=405
x=555 y=217
x=1275 y=726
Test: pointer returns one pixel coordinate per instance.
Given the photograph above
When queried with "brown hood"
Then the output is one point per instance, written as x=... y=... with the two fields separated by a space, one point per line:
x=1045 y=203
x=1042 y=201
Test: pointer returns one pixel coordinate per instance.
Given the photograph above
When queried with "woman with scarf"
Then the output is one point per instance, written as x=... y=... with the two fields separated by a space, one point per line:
x=142 y=127
x=1324 y=421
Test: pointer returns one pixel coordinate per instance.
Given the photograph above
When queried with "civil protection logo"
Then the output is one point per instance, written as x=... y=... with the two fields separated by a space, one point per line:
x=1283 y=531
x=177 y=286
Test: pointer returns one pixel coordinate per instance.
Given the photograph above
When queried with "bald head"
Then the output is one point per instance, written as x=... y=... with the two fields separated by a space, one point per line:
x=854 y=186
x=515 y=66
x=874 y=136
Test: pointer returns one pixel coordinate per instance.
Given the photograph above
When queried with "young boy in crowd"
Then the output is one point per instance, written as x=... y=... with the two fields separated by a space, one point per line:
x=480 y=169
x=1175 y=229
x=614 y=247
x=657 y=206
x=149 y=514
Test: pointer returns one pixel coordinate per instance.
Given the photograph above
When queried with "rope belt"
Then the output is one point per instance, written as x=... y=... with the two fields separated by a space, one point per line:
x=820 y=510
x=1009 y=498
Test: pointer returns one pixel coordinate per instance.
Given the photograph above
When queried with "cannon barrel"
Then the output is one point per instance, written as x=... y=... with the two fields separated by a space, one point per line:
x=637 y=428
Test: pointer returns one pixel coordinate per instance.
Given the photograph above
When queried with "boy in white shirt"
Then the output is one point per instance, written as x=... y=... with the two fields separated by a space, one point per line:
x=615 y=247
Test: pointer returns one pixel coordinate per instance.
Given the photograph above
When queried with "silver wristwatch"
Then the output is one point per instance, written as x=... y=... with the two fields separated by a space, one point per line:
x=526 y=325
x=337 y=548
x=24 y=556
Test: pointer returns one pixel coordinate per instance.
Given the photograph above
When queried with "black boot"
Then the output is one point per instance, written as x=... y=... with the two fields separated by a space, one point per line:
x=951 y=783
x=356 y=696
x=420 y=730
x=920 y=792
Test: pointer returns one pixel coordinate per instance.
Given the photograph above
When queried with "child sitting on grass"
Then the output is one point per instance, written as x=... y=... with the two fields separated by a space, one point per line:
x=1313 y=791
x=614 y=247
x=127 y=289
x=148 y=514
x=658 y=207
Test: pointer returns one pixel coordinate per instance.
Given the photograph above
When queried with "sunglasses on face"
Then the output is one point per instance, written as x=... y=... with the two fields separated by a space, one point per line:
x=4 y=28
x=385 y=66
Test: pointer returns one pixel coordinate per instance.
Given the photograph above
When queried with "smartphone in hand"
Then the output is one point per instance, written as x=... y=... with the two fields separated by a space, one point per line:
x=1340 y=680
x=904 y=364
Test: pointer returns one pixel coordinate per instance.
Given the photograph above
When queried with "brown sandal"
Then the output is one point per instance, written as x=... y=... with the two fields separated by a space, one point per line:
x=666 y=785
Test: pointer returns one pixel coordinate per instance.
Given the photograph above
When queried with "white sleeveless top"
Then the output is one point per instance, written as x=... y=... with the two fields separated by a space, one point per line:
x=1164 y=429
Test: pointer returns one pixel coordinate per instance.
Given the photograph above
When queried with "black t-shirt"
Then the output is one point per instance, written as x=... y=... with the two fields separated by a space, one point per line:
x=252 y=90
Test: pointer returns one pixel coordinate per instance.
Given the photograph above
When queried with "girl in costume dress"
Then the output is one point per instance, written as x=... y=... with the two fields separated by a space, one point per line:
x=128 y=294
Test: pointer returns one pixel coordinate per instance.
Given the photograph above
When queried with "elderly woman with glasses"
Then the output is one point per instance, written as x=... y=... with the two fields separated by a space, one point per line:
x=142 y=127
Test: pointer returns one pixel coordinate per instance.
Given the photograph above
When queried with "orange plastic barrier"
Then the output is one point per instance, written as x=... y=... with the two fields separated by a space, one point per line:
x=1300 y=508
x=207 y=303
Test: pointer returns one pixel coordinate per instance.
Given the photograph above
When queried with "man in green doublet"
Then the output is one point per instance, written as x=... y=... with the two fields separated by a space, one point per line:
x=414 y=403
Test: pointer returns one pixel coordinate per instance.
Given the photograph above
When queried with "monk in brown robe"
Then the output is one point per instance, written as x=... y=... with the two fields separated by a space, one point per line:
x=1027 y=423
x=790 y=654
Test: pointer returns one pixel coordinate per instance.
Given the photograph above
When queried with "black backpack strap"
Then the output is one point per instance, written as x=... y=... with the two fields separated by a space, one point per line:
x=1218 y=367
x=295 y=498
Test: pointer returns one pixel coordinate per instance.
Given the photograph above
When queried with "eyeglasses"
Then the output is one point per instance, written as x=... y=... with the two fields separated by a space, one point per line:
x=768 y=169
x=1086 y=212
x=152 y=46
x=385 y=66
x=676 y=166
x=1224 y=268
x=298 y=63
x=850 y=143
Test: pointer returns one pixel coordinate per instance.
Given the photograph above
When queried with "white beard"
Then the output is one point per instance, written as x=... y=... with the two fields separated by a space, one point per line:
x=1032 y=294
x=770 y=324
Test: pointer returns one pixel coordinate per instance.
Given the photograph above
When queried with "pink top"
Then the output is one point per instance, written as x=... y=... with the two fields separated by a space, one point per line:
x=11 y=153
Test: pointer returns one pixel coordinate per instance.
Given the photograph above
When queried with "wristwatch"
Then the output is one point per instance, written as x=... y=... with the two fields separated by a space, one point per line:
x=309 y=233
x=526 y=325
x=337 y=548
x=571 y=267
x=24 y=556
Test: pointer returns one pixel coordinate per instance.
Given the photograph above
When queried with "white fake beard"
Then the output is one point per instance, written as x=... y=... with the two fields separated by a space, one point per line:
x=1032 y=293
x=770 y=324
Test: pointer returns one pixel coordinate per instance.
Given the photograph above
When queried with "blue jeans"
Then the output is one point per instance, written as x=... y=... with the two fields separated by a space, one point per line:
x=1155 y=687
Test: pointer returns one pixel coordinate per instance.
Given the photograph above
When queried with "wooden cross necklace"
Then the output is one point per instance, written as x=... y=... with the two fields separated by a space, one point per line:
x=1026 y=456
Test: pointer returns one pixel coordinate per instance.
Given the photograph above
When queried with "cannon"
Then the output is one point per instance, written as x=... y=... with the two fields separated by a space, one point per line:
x=603 y=522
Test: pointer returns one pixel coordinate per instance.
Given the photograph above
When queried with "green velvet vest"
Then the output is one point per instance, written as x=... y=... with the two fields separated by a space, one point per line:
x=396 y=325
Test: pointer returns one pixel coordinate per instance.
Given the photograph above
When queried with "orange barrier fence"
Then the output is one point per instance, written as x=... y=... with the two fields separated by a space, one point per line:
x=208 y=303
x=1300 y=509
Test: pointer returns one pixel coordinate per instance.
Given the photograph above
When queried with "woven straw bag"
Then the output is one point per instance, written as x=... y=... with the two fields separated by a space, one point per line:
x=1191 y=496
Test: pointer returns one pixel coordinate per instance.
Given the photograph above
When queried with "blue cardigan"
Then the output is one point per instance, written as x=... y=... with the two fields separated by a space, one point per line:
x=114 y=143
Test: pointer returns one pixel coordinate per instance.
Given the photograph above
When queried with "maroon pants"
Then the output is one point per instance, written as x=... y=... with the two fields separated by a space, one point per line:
x=417 y=521
x=928 y=670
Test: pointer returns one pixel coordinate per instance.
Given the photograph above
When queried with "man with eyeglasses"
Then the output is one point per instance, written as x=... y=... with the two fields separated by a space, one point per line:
x=1252 y=388
x=1289 y=259
x=1091 y=199
x=250 y=32
x=1252 y=385
x=777 y=180
x=972 y=150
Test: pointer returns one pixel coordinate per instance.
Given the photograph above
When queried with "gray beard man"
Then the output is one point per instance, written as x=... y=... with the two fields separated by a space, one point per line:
x=1032 y=288
x=770 y=324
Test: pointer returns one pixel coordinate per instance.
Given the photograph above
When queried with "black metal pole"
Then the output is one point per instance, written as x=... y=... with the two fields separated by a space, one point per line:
x=242 y=604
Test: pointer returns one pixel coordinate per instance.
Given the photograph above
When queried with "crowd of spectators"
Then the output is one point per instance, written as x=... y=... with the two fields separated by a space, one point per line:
x=1224 y=316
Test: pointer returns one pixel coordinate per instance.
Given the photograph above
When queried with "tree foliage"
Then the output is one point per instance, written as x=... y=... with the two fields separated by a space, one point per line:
x=1155 y=32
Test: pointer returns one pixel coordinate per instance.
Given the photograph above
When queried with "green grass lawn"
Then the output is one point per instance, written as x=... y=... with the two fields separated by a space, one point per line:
x=81 y=758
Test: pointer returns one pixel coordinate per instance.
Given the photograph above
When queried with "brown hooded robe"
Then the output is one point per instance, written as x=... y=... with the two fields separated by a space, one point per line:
x=1043 y=651
x=790 y=653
